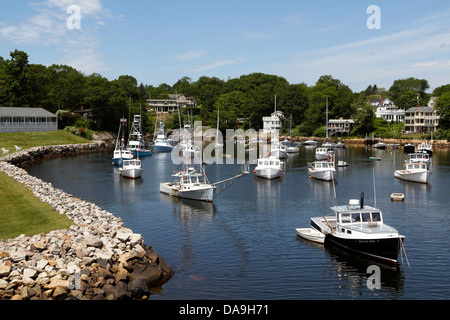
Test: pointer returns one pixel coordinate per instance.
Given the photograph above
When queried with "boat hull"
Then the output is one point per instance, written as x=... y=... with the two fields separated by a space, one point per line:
x=268 y=173
x=141 y=153
x=386 y=249
x=421 y=177
x=131 y=173
x=325 y=175
x=162 y=148
x=174 y=190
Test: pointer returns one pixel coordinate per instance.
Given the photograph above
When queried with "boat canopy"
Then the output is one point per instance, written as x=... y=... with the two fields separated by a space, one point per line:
x=353 y=213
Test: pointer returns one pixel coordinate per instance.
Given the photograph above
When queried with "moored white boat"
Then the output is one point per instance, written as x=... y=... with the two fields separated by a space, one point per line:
x=131 y=168
x=311 y=234
x=322 y=170
x=189 y=184
x=162 y=143
x=310 y=143
x=418 y=157
x=120 y=152
x=277 y=149
x=322 y=153
x=136 y=143
x=415 y=172
x=269 y=168
x=425 y=147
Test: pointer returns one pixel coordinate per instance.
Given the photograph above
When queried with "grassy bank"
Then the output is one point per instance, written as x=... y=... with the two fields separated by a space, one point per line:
x=20 y=211
x=23 y=213
x=27 y=140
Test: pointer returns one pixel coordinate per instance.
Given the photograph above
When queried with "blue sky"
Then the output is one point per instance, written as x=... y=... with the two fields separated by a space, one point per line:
x=162 y=41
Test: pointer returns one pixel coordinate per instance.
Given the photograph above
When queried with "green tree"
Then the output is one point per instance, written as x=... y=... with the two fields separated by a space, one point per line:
x=230 y=106
x=443 y=109
x=440 y=90
x=67 y=88
x=401 y=86
x=16 y=79
x=365 y=117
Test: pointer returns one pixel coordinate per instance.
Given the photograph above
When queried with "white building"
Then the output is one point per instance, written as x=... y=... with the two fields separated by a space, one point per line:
x=422 y=119
x=274 y=122
x=26 y=120
x=172 y=104
x=386 y=109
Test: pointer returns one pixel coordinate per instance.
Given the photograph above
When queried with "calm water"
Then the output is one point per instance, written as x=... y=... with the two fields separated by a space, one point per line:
x=244 y=246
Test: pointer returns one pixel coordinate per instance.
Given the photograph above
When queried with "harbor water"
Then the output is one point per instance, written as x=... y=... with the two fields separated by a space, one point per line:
x=244 y=245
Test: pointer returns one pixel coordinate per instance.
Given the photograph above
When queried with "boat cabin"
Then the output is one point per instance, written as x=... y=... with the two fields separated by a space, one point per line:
x=354 y=214
x=415 y=166
x=268 y=162
x=134 y=162
x=418 y=157
x=323 y=165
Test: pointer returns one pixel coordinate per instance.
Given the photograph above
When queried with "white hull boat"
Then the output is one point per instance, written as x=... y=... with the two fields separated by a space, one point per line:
x=162 y=143
x=418 y=157
x=189 y=184
x=269 y=168
x=415 y=172
x=311 y=234
x=131 y=169
x=120 y=151
x=322 y=154
x=278 y=150
x=310 y=143
x=322 y=170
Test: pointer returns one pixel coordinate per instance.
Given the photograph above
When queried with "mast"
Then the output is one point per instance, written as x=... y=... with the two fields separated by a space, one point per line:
x=326 y=124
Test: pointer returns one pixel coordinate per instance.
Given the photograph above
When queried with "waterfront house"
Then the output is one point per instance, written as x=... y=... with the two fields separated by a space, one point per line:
x=386 y=109
x=342 y=126
x=273 y=123
x=172 y=104
x=421 y=119
x=27 y=119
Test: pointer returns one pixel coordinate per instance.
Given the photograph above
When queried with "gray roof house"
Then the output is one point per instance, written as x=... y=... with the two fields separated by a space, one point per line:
x=27 y=119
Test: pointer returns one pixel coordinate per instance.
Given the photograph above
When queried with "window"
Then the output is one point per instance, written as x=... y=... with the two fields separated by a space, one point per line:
x=376 y=216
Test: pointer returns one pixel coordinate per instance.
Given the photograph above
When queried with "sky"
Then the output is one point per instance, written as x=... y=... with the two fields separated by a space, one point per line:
x=359 y=42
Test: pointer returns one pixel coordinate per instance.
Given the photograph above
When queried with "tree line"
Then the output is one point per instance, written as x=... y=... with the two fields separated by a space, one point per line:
x=247 y=98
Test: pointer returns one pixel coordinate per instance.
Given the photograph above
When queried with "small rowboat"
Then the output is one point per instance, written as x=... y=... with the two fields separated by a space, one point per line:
x=397 y=196
x=311 y=234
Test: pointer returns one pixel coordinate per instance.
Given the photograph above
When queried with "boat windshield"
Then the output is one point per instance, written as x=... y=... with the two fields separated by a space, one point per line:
x=357 y=217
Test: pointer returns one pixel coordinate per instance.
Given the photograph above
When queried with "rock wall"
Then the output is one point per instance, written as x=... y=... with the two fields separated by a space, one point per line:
x=97 y=258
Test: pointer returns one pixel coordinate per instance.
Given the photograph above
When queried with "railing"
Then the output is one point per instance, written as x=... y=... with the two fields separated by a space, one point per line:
x=28 y=126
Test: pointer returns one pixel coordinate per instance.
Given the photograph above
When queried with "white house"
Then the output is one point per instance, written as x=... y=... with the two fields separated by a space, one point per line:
x=172 y=104
x=422 y=119
x=27 y=119
x=386 y=109
x=274 y=122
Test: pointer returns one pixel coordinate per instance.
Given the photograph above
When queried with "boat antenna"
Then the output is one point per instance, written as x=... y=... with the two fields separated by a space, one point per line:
x=374 y=188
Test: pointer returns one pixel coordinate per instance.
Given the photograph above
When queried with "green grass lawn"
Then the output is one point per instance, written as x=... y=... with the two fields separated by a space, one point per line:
x=27 y=140
x=21 y=212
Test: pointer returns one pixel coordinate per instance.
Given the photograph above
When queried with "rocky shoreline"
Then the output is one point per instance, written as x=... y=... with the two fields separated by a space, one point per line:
x=97 y=258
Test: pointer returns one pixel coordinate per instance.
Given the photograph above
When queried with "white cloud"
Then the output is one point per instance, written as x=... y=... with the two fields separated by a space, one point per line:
x=415 y=51
x=214 y=65
x=47 y=27
x=191 y=55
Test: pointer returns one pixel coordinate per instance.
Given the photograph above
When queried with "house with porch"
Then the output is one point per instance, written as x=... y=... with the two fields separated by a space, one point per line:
x=14 y=119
